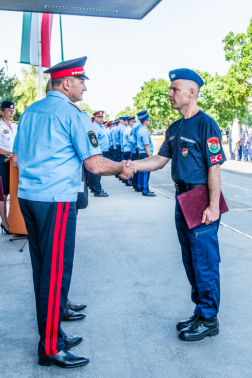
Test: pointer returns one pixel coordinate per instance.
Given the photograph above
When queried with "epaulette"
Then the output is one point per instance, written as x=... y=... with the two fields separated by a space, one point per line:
x=76 y=106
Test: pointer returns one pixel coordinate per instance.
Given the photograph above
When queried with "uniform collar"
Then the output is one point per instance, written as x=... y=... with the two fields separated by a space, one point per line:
x=58 y=94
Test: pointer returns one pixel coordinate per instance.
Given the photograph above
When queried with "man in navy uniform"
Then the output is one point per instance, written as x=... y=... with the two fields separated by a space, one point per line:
x=103 y=139
x=194 y=145
x=54 y=137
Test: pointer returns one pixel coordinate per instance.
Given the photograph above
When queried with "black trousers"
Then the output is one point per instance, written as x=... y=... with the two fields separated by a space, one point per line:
x=134 y=156
x=115 y=154
x=119 y=152
x=51 y=230
x=95 y=180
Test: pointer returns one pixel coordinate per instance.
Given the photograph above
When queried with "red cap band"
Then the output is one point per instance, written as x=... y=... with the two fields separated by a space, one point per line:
x=77 y=71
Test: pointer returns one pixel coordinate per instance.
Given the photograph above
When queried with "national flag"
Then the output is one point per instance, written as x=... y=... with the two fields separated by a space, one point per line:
x=30 y=44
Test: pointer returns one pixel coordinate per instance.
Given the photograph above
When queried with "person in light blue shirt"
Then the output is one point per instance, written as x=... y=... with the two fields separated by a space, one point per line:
x=113 y=133
x=117 y=137
x=53 y=139
x=127 y=144
x=145 y=149
x=122 y=129
x=103 y=139
x=134 y=151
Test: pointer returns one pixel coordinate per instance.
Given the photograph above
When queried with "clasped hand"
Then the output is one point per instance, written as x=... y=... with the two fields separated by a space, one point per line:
x=210 y=215
x=128 y=170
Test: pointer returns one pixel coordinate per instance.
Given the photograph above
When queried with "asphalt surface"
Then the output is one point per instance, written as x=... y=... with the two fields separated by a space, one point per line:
x=128 y=270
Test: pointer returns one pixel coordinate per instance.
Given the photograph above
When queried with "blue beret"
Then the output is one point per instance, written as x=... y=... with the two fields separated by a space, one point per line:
x=141 y=113
x=7 y=105
x=144 y=117
x=186 y=74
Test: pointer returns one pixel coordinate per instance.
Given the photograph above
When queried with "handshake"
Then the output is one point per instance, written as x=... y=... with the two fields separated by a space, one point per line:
x=128 y=169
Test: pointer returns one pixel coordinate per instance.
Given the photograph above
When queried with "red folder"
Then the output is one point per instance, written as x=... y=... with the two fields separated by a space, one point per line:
x=194 y=202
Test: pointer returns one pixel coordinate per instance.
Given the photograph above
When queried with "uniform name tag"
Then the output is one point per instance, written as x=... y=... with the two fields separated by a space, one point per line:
x=188 y=140
x=171 y=138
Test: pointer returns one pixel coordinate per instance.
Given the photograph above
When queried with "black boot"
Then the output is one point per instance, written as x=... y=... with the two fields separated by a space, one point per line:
x=75 y=307
x=199 y=329
x=186 y=323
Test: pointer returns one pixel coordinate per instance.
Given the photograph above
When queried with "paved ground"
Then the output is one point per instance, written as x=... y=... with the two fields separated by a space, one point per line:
x=128 y=270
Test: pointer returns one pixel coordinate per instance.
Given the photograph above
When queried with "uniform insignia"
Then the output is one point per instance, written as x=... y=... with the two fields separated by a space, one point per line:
x=171 y=138
x=215 y=159
x=184 y=152
x=213 y=145
x=12 y=106
x=76 y=106
x=173 y=75
x=6 y=131
x=187 y=140
x=93 y=139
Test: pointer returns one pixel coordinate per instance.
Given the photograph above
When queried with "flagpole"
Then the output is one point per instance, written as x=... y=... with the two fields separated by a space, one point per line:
x=40 y=76
x=61 y=39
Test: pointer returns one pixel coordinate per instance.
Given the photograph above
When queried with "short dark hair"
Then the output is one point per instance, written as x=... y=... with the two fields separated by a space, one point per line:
x=58 y=82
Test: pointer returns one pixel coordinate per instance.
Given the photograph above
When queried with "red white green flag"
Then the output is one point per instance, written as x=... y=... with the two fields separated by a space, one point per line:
x=30 y=43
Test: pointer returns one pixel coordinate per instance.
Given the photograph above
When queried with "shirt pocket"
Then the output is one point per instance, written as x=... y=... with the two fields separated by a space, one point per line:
x=187 y=148
x=5 y=140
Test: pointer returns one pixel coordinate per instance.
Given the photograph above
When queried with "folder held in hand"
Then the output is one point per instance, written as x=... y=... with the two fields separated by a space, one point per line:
x=194 y=202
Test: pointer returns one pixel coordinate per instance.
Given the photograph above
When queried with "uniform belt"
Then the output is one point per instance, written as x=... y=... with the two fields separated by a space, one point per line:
x=186 y=187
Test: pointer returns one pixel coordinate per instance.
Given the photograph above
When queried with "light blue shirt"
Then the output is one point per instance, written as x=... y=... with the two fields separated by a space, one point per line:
x=134 y=131
x=123 y=127
x=126 y=139
x=143 y=138
x=117 y=133
x=53 y=138
x=110 y=136
x=113 y=134
x=102 y=136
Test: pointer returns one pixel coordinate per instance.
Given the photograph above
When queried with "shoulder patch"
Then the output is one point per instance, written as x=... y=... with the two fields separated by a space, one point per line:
x=76 y=106
x=93 y=139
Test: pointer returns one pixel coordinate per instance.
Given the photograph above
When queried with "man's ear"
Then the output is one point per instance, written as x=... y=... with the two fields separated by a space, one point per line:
x=66 y=84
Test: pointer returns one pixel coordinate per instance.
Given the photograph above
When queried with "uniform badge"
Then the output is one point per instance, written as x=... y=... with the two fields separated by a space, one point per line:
x=6 y=131
x=93 y=139
x=215 y=159
x=173 y=75
x=213 y=145
x=184 y=152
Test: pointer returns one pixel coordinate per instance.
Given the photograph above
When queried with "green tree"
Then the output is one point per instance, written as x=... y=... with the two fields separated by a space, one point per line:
x=90 y=112
x=216 y=98
x=7 y=90
x=153 y=97
x=27 y=88
x=127 y=112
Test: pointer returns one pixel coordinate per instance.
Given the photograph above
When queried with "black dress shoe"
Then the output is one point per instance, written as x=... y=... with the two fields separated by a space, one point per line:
x=100 y=194
x=70 y=315
x=64 y=359
x=127 y=184
x=149 y=194
x=74 y=306
x=71 y=341
x=199 y=329
x=138 y=190
x=186 y=323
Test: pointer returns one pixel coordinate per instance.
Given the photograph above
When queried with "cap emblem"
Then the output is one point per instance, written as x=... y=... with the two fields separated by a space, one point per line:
x=173 y=75
x=78 y=72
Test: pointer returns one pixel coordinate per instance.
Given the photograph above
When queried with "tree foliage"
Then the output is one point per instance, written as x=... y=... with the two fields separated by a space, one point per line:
x=153 y=97
x=127 y=112
x=7 y=90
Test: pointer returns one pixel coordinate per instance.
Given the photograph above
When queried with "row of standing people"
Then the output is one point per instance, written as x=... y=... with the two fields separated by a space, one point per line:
x=244 y=144
x=123 y=139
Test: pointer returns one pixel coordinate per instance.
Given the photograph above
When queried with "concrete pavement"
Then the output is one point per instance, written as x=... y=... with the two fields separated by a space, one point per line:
x=128 y=270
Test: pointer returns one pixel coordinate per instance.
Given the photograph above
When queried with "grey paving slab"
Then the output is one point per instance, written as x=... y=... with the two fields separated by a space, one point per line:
x=128 y=270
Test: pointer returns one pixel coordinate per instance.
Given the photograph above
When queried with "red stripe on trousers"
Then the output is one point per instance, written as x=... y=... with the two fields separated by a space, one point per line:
x=59 y=278
x=55 y=250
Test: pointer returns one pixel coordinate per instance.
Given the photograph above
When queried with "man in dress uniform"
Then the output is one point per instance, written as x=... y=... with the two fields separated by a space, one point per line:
x=103 y=140
x=134 y=150
x=117 y=137
x=194 y=145
x=54 y=137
